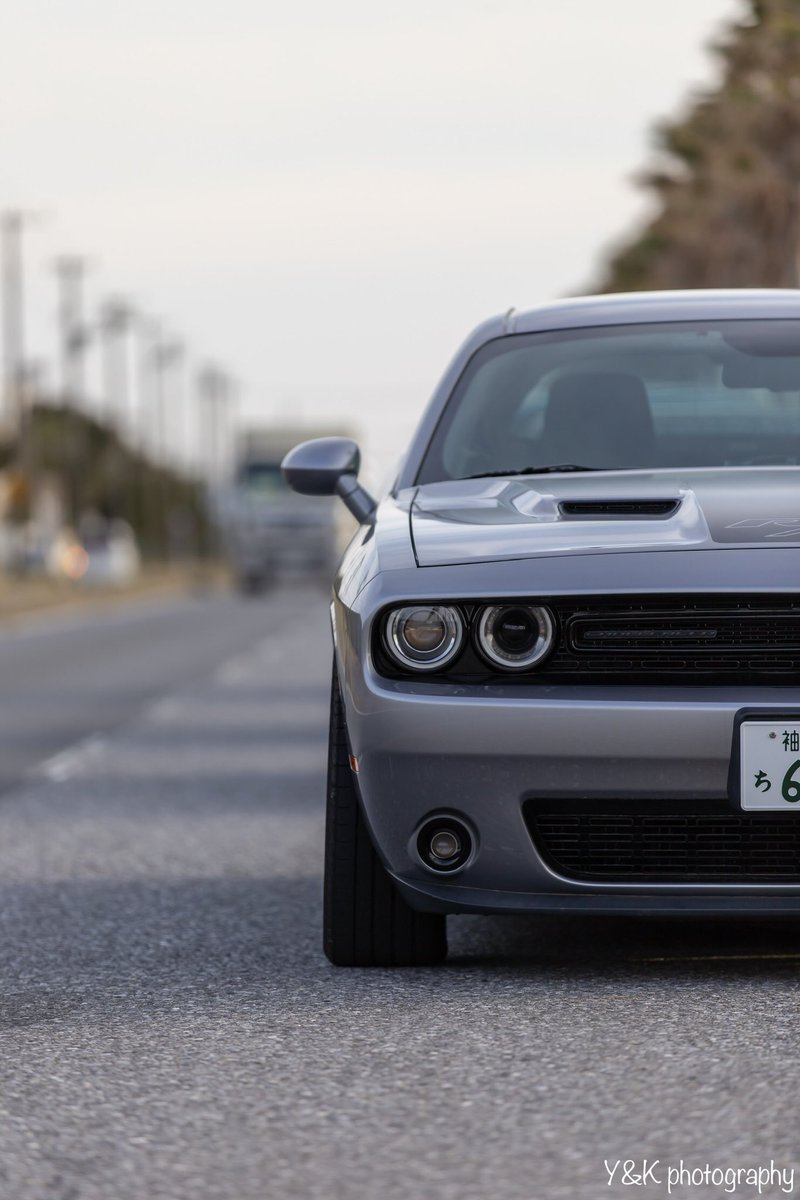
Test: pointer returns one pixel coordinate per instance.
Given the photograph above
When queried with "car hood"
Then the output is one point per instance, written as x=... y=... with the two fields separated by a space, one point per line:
x=489 y=520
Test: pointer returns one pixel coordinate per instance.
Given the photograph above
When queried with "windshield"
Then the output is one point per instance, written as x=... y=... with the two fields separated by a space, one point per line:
x=688 y=394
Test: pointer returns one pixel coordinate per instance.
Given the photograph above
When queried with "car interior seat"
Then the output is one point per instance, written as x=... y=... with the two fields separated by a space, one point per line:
x=598 y=419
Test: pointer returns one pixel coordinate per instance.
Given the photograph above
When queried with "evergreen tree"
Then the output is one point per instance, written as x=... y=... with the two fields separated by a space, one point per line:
x=726 y=177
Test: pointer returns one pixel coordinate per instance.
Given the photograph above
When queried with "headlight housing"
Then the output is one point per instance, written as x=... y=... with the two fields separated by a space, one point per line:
x=424 y=637
x=515 y=636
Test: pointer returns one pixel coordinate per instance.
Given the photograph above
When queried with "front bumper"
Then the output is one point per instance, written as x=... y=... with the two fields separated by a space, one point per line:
x=695 y=901
x=478 y=752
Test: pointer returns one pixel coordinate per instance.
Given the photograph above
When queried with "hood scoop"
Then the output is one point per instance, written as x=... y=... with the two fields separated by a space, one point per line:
x=489 y=520
x=611 y=510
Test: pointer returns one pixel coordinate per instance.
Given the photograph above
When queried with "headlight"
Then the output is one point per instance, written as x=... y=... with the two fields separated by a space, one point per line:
x=424 y=637
x=515 y=636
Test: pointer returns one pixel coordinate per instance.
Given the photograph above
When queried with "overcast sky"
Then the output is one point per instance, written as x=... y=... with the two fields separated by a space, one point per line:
x=326 y=196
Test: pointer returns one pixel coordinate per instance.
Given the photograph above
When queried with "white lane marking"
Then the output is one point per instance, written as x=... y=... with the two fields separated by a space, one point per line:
x=232 y=671
x=67 y=763
x=164 y=708
x=243 y=667
x=270 y=651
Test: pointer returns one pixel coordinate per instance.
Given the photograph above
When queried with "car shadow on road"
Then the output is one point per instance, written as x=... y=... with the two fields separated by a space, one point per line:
x=655 y=945
x=116 y=950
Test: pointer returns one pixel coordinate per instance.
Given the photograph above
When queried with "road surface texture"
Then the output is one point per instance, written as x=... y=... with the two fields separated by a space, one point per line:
x=171 y=1030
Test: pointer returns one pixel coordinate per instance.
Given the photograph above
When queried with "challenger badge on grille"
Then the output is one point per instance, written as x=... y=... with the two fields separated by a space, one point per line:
x=638 y=635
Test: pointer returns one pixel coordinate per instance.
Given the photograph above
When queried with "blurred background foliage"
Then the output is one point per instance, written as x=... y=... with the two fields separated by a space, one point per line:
x=91 y=469
x=725 y=179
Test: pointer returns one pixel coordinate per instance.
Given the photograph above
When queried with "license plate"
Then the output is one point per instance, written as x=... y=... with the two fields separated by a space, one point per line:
x=770 y=765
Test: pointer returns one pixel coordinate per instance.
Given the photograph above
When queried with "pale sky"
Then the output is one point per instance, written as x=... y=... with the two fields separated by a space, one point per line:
x=326 y=197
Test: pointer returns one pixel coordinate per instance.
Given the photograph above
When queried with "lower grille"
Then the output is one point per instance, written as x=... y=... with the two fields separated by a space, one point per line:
x=664 y=841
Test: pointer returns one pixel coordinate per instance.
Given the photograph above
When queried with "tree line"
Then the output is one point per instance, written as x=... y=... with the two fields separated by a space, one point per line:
x=724 y=180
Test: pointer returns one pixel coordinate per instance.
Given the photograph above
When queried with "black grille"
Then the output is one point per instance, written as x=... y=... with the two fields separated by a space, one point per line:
x=618 y=508
x=665 y=841
x=699 y=637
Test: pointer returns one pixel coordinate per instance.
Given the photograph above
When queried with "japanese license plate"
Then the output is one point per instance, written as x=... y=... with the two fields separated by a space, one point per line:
x=770 y=764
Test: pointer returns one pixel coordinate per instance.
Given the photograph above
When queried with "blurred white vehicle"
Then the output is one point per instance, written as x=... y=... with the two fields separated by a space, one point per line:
x=266 y=527
x=102 y=553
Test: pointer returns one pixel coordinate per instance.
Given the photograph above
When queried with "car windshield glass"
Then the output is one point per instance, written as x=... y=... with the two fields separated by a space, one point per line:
x=688 y=394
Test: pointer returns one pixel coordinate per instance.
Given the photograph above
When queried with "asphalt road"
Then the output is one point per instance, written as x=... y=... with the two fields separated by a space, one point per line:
x=169 y=1027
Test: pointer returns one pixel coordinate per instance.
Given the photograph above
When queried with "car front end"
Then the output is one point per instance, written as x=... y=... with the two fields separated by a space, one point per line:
x=567 y=643
x=600 y=777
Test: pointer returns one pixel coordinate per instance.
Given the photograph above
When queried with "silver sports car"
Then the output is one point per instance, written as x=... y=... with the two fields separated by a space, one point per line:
x=567 y=642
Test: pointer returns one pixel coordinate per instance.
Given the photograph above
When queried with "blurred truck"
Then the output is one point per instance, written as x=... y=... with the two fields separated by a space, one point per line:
x=266 y=528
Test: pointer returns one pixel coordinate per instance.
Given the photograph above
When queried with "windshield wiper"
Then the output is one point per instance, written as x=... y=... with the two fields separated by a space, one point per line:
x=558 y=468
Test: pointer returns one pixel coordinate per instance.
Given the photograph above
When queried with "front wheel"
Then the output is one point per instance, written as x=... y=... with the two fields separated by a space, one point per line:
x=367 y=923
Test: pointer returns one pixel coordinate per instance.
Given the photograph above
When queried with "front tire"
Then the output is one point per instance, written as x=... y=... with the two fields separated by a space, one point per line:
x=367 y=923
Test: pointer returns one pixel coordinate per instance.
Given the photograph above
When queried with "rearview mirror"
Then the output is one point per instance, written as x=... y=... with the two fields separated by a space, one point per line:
x=329 y=467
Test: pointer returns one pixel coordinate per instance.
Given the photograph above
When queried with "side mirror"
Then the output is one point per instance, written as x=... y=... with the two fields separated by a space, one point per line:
x=329 y=467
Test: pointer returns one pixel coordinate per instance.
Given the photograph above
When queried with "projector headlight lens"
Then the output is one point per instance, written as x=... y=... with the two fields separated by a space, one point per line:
x=424 y=637
x=515 y=636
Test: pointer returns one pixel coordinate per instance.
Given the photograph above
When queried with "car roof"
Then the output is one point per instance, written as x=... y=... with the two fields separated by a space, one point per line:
x=621 y=308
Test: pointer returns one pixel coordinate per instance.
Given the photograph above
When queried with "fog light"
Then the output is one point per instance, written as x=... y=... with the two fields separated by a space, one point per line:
x=445 y=844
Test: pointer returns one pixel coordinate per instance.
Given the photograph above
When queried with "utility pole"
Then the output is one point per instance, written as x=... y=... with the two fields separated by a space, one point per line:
x=182 y=424
x=167 y=356
x=73 y=336
x=213 y=387
x=12 y=223
x=115 y=322
x=228 y=428
x=147 y=334
x=213 y=390
x=70 y=274
x=16 y=381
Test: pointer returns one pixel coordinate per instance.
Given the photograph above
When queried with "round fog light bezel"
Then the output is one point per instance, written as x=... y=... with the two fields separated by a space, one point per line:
x=434 y=827
x=498 y=657
x=447 y=851
x=439 y=656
